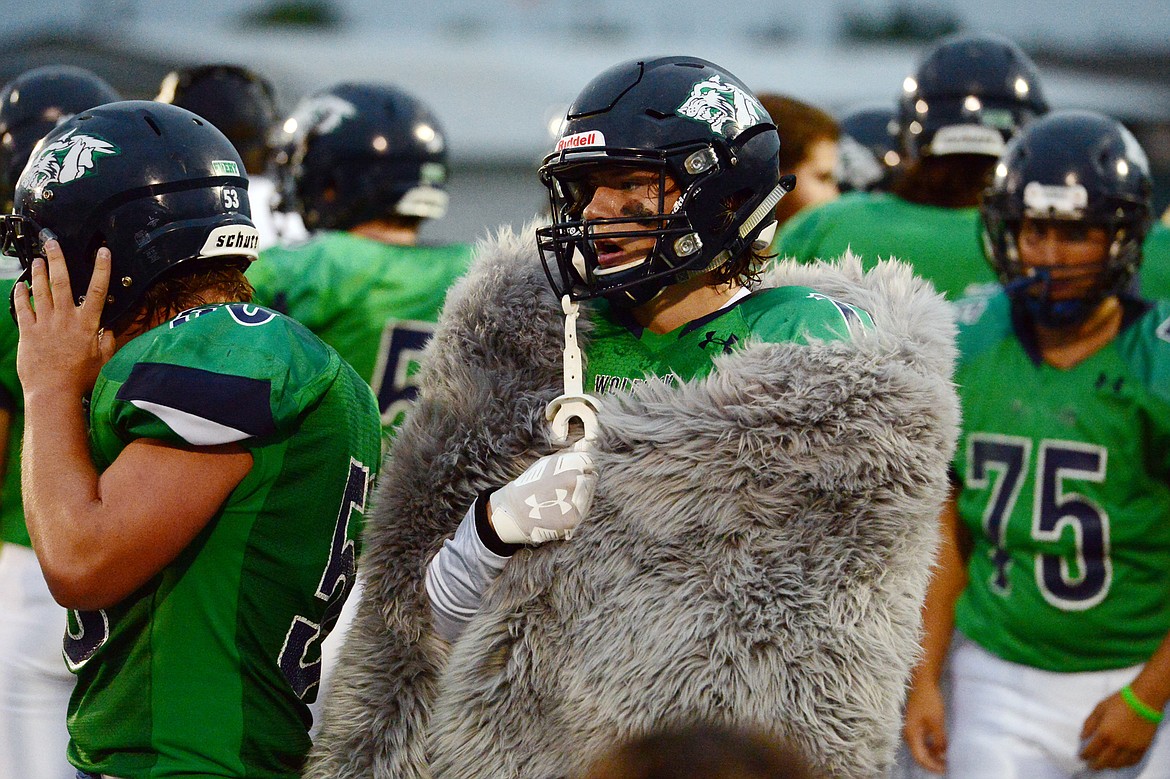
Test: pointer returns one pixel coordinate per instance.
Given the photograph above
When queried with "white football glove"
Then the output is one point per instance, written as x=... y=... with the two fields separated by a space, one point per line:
x=547 y=501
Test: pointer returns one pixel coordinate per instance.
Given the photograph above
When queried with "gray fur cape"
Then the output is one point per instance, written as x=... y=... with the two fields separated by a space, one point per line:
x=757 y=551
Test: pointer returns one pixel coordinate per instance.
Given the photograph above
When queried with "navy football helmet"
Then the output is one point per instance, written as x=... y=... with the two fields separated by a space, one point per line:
x=356 y=152
x=35 y=102
x=236 y=100
x=1076 y=166
x=868 y=149
x=969 y=95
x=155 y=183
x=689 y=120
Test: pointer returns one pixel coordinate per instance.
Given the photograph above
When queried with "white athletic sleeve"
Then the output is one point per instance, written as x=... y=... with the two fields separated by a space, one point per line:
x=459 y=575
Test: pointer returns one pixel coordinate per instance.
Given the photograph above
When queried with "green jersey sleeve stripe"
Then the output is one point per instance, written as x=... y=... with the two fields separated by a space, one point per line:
x=220 y=400
x=193 y=429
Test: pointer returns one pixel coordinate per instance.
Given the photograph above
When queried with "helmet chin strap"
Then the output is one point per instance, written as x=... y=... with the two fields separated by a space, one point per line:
x=573 y=403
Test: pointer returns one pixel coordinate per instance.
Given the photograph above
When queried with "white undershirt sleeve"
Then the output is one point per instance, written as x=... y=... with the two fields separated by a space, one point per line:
x=458 y=576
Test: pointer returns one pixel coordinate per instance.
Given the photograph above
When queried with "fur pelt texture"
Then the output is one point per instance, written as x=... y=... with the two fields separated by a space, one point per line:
x=757 y=551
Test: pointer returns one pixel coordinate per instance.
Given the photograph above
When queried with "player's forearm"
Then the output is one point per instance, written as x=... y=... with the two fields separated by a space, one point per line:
x=59 y=485
x=938 y=613
x=1152 y=685
x=459 y=575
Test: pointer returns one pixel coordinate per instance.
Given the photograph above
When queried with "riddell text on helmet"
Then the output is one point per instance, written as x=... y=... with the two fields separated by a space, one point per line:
x=577 y=140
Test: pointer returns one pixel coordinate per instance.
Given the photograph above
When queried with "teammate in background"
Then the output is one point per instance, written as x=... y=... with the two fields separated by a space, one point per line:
x=1062 y=501
x=242 y=105
x=809 y=152
x=868 y=150
x=365 y=168
x=166 y=394
x=969 y=94
x=663 y=187
x=34 y=683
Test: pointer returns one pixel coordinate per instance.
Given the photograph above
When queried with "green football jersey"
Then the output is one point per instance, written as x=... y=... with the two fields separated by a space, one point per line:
x=620 y=353
x=12 y=527
x=1154 y=276
x=1063 y=489
x=942 y=244
x=376 y=304
x=207 y=668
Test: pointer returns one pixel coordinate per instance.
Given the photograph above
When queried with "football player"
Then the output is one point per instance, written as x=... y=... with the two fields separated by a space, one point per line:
x=969 y=94
x=1055 y=567
x=662 y=231
x=34 y=683
x=663 y=186
x=196 y=467
x=365 y=166
x=242 y=105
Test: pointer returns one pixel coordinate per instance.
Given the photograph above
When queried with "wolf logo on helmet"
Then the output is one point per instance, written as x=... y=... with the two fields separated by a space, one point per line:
x=324 y=114
x=727 y=108
x=66 y=159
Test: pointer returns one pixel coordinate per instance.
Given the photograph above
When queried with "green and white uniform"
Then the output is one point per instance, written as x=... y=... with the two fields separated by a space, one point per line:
x=376 y=304
x=1065 y=494
x=942 y=244
x=1063 y=490
x=619 y=354
x=207 y=668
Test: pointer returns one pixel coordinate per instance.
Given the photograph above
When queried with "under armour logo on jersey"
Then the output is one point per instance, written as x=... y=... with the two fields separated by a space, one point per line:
x=539 y=506
x=1103 y=381
x=728 y=344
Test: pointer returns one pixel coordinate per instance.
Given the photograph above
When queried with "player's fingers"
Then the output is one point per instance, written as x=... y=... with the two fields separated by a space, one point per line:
x=1091 y=723
x=1093 y=746
x=1108 y=757
x=106 y=345
x=922 y=750
x=99 y=287
x=936 y=741
x=39 y=283
x=60 y=289
x=20 y=304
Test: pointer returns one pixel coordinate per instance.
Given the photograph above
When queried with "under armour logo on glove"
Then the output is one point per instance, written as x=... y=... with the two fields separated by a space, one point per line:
x=559 y=501
x=547 y=501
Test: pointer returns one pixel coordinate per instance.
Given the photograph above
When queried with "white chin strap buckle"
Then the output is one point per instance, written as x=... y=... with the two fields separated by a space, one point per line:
x=573 y=403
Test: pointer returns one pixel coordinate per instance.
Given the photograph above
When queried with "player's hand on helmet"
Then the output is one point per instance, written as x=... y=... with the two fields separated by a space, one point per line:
x=62 y=345
x=1113 y=736
x=924 y=728
x=547 y=501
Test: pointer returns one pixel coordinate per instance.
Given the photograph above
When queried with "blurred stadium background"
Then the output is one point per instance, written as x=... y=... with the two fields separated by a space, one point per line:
x=500 y=74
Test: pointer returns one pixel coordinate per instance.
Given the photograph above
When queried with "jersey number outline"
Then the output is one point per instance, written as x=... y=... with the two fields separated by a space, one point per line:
x=395 y=386
x=1053 y=511
x=80 y=645
x=337 y=580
